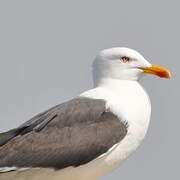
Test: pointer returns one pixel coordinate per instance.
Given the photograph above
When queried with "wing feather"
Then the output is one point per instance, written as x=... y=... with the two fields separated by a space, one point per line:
x=69 y=134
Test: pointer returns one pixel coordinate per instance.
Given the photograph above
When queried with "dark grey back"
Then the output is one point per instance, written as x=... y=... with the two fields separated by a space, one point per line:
x=70 y=134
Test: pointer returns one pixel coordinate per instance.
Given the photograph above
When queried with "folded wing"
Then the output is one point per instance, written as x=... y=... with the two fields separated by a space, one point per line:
x=70 y=134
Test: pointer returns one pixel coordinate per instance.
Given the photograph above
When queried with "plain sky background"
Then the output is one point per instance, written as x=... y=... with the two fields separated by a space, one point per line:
x=46 y=52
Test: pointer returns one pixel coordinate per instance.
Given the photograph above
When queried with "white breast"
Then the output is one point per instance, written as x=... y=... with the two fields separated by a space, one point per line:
x=129 y=101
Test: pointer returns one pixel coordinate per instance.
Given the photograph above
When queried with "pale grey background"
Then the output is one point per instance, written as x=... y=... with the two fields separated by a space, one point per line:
x=46 y=50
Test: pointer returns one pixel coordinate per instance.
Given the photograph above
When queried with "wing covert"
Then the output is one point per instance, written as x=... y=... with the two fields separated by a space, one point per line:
x=69 y=134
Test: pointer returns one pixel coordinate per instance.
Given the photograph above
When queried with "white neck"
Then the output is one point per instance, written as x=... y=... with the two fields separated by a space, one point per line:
x=125 y=98
x=115 y=84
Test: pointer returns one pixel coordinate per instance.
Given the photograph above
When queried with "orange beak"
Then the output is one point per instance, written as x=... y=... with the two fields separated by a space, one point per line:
x=158 y=71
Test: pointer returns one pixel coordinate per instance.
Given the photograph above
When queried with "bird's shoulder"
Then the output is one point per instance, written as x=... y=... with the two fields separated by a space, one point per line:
x=80 y=110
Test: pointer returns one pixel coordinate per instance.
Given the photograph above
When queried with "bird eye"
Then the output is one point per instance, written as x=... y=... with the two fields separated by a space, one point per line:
x=125 y=59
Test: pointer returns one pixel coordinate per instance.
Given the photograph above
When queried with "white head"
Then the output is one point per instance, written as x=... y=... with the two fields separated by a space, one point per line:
x=124 y=64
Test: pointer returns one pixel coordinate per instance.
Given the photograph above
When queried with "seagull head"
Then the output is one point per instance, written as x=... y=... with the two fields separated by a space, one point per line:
x=125 y=64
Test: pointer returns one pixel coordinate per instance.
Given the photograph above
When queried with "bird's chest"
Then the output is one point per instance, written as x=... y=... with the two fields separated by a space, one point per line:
x=135 y=110
x=132 y=105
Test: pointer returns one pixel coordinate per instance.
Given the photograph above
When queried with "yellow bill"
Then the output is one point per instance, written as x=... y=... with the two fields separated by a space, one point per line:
x=158 y=71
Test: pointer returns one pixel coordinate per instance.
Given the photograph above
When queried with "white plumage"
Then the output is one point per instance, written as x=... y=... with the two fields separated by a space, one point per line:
x=116 y=72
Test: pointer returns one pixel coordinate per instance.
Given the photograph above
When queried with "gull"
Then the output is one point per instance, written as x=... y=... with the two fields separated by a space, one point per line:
x=88 y=136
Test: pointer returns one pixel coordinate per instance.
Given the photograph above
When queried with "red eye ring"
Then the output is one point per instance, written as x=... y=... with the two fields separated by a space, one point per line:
x=125 y=59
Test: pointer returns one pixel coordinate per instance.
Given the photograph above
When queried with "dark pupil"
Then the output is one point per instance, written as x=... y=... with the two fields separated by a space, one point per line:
x=125 y=59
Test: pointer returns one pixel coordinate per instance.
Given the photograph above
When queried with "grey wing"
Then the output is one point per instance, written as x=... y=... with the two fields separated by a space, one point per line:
x=70 y=134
